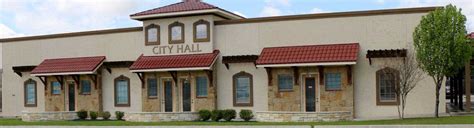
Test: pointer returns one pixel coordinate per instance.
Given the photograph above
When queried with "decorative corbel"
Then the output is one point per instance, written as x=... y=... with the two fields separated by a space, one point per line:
x=296 y=75
x=141 y=76
x=174 y=74
x=269 y=74
x=210 y=77
x=93 y=77
x=43 y=80
x=60 y=79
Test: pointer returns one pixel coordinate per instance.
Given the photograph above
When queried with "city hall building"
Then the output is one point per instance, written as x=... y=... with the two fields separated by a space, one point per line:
x=192 y=55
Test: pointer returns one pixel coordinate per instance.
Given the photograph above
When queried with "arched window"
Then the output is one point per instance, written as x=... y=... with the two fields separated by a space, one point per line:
x=30 y=97
x=387 y=83
x=122 y=91
x=152 y=33
x=243 y=89
x=176 y=33
x=201 y=31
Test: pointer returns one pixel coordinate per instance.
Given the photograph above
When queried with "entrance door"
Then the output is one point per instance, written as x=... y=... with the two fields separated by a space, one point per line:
x=168 y=96
x=72 y=96
x=310 y=88
x=186 y=96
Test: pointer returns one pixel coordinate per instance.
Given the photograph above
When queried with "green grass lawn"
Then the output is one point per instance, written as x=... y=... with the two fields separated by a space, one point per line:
x=433 y=121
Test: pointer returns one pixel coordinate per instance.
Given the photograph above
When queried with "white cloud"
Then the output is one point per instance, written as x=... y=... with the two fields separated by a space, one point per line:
x=6 y=32
x=316 y=10
x=467 y=7
x=270 y=11
x=57 y=16
x=380 y=1
x=238 y=13
x=278 y=2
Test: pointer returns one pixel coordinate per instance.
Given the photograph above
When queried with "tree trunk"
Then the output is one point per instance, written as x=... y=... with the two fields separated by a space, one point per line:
x=438 y=87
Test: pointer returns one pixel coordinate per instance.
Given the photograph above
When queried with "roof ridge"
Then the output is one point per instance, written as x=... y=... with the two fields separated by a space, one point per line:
x=311 y=45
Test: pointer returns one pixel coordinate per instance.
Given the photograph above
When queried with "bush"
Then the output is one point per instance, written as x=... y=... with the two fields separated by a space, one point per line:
x=93 y=115
x=229 y=114
x=82 y=114
x=119 y=115
x=216 y=115
x=246 y=114
x=204 y=115
x=106 y=115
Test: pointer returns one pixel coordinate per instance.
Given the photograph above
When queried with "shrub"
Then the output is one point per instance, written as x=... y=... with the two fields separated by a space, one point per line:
x=229 y=114
x=119 y=115
x=246 y=114
x=82 y=114
x=106 y=115
x=93 y=115
x=204 y=115
x=216 y=115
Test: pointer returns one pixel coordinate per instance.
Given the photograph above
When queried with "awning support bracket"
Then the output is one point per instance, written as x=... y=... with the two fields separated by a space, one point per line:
x=93 y=77
x=321 y=75
x=174 y=74
x=296 y=75
x=210 y=77
x=60 y=80
x=43 y=80
x=19 y=74
x=226 y=65
x=76 y=79
x=349 y=74
x=142 y=78
x=269 y=74
x=108 y=70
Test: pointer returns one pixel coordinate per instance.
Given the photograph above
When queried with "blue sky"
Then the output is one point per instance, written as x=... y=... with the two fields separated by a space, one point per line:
x=39 y=17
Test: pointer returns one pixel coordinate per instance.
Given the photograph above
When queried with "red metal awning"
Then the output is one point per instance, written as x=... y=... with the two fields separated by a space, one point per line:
x=309 y=55
x=175 y=62
x=68 y=66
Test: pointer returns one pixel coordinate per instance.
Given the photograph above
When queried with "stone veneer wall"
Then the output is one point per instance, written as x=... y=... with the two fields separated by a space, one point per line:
x=161 y=116
x=339 y=100
x=290 y=101
x=48 y=116
x=302 y=116
x=155 y=104
x=88 y=102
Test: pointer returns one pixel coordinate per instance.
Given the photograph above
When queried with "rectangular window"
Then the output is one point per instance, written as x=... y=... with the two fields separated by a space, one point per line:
x=243 y=90
x=152 y=88
x=85 y=87
x=387 y=87
x=201 y=86
x=30 y=94
x=55 y=88
x=122 y=92
x=285 y=82
x=333 y=81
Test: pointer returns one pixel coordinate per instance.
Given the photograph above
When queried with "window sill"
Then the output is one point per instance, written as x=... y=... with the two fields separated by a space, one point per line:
x=199 y=97
x=152 y=97
x=122 y=105
x=285 y=90
x=333 y=89
x=151 y=43
x=85 y=93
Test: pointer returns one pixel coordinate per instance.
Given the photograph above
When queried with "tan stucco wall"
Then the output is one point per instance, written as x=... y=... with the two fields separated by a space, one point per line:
x=371 y=32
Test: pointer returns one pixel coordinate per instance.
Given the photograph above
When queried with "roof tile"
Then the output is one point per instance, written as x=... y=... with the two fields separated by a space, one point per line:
x=175 y=61
x=61 y=65
x=309 y=54
x=188 y=5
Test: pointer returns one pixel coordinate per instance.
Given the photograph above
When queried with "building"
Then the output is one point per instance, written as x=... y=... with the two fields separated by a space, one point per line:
x=192 y=55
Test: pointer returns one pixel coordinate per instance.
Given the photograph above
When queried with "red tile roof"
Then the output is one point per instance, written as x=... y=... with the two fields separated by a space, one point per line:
x=69 y=65
x=309 y=54
x=188 y=5
x=471 y=35
x=175 y=61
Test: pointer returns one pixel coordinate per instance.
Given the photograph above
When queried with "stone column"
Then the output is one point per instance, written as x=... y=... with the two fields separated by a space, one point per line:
x=467 y=80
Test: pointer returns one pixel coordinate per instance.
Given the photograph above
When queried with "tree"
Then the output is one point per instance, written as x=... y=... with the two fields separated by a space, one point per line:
x=440 y=44
x=408 y=75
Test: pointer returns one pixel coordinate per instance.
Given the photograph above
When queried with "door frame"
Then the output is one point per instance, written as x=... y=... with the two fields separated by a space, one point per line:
x=66 y=94
x=162 y=88
x=303 y=90
x=180 y=90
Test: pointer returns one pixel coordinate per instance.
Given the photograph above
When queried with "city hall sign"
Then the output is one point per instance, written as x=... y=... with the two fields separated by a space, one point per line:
x=176 y=49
